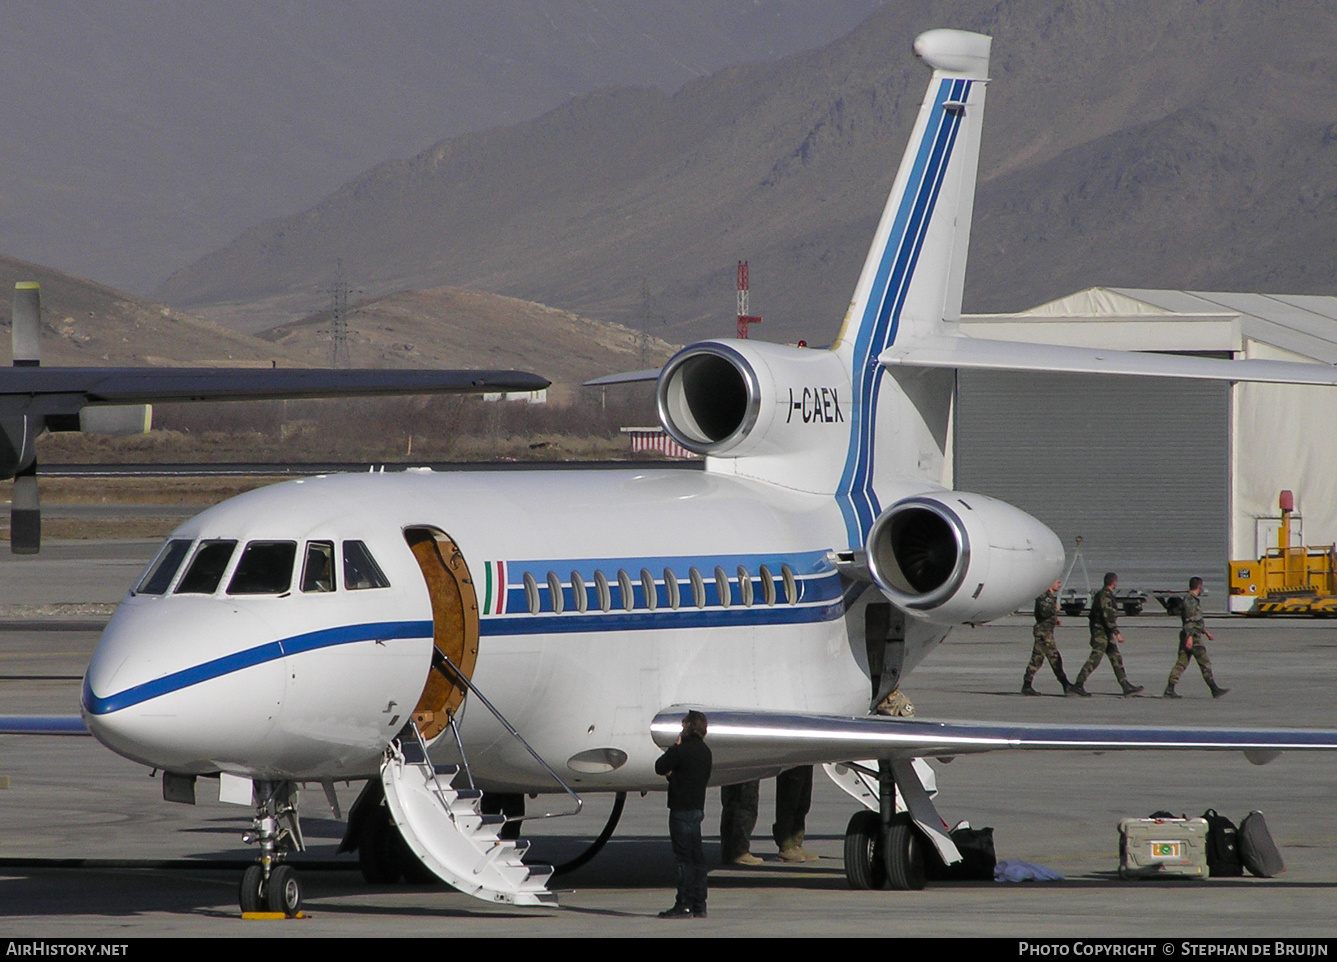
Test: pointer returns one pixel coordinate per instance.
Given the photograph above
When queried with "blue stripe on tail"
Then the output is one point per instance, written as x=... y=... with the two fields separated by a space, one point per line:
x=878 y=327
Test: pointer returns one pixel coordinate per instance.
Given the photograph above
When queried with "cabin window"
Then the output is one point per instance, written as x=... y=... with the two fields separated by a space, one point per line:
x=671 y=589
x=265 y=568
x=555 y=592
x=628 y=593
x=531 y=593
x=360 y=568
x=318 y=569
x=698 y=587
x=206 y=568
x=722 y=586
x=165 y=567
x=745 y=586
x=578 y=593
x=648 y=588
x=601 y=589
x=791 y=584
x=767 y=585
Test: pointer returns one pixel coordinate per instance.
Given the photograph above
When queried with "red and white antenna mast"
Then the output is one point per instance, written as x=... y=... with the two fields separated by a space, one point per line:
x=744 y=318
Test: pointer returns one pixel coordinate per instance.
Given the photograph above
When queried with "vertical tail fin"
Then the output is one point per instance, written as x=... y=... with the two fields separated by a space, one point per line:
x=912 y=281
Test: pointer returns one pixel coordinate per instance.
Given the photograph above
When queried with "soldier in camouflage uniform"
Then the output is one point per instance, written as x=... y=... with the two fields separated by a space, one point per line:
x=1191 y=643
x=1105 y=640
x=1046 y=620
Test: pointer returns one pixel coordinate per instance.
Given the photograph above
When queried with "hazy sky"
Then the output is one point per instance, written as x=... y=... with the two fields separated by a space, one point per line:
x=139 y=136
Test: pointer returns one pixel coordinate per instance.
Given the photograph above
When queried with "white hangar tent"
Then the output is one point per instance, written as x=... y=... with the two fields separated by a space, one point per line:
x=1163 y=479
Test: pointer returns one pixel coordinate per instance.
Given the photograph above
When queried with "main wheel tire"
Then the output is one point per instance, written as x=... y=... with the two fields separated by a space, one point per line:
x=410 y=866
x=249 y=896
x=377 y=852
x=863 y=852
x=284 y=892
x=904 y=854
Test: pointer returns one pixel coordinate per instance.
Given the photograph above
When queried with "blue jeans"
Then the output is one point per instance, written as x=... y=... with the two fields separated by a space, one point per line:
x=685 y=834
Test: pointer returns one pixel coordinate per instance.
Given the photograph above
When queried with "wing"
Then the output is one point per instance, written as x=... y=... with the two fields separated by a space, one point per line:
x=42 y=725
x=968 y=352
x=753 y=743
x=54 y=390
x=627 y=377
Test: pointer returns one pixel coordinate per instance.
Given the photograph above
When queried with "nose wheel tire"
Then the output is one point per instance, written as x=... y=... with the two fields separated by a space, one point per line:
x=252 y=880
x=282 y=893
x=864 y=866
x=904 y=854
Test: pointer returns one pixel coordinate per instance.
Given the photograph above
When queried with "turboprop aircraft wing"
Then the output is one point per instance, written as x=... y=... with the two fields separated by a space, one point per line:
x=42 y=725
x=47 y=391
x=948 y=351
x=758 y=741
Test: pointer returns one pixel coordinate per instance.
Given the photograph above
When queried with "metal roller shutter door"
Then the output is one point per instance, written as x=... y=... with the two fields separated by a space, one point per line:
x=1139 y=467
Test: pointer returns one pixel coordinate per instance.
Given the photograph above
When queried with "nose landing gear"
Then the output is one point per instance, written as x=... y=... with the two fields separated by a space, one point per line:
x=269 y=886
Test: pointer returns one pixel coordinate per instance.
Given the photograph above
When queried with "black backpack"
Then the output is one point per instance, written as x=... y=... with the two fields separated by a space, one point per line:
x=1223 y=857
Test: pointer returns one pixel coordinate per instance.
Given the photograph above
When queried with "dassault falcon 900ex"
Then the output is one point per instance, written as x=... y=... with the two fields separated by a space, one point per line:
x=441 y=635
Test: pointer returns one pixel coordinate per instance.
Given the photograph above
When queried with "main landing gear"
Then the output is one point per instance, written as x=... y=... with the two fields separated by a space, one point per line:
x=886 y=847
x=269 y=886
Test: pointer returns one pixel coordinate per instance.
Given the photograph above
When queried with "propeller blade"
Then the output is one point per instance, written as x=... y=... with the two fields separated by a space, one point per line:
x=25 y=513
x=26 y=314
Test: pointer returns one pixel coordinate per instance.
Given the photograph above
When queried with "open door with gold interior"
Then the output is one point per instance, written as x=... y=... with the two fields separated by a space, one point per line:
x=454 y=626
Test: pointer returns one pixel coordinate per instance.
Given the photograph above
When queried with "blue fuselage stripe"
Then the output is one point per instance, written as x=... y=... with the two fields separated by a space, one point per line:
x=259 y=655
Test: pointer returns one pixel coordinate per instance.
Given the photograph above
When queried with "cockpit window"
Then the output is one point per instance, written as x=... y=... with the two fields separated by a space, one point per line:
x=265 y=568
x=206 y=568
x=163 y=570
x=361 y=569
x=318 y=570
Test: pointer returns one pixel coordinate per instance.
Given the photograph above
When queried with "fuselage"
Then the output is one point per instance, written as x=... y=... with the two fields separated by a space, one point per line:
x=602 y=598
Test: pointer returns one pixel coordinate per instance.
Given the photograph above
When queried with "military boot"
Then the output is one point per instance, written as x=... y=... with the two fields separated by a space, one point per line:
x=1027 y=689
x=1171 y=693
x=1218 y=691
x=1077 y=689
x=1129 y=689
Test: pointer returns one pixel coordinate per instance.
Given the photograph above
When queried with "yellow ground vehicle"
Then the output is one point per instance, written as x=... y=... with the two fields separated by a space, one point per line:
x=1288 y=579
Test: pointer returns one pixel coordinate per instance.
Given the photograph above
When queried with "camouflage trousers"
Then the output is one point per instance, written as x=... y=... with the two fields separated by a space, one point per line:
x=1045 y=649
x=1198 y=651
x=1102 y=645
x=739 y=806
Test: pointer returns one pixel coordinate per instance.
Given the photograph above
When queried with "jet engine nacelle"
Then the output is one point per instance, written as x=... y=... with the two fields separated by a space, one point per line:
x=953 y=557
x=740 y=398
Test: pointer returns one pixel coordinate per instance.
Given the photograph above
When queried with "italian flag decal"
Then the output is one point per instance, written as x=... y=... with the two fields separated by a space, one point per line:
x=494 y=588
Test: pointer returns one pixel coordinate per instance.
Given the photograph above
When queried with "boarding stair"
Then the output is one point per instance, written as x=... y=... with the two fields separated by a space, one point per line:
x=444 y=826
x=445 y=829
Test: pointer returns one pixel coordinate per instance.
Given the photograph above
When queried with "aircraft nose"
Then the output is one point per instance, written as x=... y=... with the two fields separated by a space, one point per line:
x=178 y=683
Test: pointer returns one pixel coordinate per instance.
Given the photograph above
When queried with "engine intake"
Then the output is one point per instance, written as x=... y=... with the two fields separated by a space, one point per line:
x=954 y=557
x=709 y=398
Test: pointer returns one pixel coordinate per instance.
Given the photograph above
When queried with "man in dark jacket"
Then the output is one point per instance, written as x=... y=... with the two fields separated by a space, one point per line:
x=687 y=765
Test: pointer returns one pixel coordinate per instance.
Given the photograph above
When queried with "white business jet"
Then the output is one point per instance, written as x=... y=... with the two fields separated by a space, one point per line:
x=443 y=634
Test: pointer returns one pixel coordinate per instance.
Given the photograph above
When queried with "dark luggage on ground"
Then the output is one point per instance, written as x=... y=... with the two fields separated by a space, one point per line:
x=1223 y=857
x=977 y=857
x=1257 y=850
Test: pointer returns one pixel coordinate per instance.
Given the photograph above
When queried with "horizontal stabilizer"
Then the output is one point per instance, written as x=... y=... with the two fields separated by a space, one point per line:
x=775 y=740
x=979 y=354
x=48 y=390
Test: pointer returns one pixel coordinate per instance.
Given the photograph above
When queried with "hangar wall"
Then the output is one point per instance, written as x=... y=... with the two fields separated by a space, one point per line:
x=1138 y=467
x=1283 y=439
